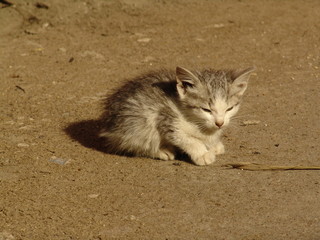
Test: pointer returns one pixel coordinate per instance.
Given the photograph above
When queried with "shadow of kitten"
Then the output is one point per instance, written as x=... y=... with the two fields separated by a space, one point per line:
x=87 y=134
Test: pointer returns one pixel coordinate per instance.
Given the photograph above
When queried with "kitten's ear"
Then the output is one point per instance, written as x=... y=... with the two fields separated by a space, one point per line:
x=185 y=80
x=240 y=81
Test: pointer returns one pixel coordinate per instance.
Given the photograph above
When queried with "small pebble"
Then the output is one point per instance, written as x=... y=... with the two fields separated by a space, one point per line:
x=45 y=25
x=27 y=127
x=62 y=49
x=23 y=145
x=249 y=122
x=200 y=39
x=59 y=161
x=144 y=40
x=149 y=59
x=95 y=195
x=218 y=25
x=92 y=54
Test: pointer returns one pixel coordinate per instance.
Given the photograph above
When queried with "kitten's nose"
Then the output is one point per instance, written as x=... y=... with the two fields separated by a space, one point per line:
x=219 y=123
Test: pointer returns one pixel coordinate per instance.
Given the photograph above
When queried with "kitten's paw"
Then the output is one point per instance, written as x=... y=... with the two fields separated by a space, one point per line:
x=205 y=159
x=219 y=148
x=165 y=154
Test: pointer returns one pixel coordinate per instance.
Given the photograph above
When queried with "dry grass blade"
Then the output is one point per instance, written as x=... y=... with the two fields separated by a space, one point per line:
x=264 y=167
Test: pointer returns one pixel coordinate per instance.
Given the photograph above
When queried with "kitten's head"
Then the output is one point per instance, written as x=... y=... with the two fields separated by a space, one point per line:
x=210 y=98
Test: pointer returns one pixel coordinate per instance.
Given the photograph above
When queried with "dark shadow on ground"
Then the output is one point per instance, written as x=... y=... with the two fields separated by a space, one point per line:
x=87 y=134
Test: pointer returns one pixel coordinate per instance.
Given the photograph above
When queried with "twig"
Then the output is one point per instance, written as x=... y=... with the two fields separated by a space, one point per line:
x=264 y=167
x=20 y=88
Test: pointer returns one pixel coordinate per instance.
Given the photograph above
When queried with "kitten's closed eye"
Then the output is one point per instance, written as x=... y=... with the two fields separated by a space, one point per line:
x=206 y=110
x=187 y=84
x=229 y=109
x=210 y=111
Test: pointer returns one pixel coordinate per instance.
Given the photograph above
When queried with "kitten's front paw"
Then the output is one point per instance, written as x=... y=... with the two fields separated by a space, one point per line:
x=165 y=154
x=219 y=148
x=205 y=159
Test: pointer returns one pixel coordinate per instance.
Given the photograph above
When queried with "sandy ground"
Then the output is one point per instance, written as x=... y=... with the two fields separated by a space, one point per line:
x=59 y=58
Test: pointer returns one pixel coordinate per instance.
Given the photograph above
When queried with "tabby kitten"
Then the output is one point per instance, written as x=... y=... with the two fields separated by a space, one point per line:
x=157 y=114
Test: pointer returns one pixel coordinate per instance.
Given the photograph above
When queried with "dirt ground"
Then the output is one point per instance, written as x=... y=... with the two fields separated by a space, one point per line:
x=59 y=58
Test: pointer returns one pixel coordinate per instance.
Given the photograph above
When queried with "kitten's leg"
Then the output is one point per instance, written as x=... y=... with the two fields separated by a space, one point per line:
x=206 y=159
x=165 y=154
x=195 y=148
x=214 y=143
x=210 y=156
x=197 y=151
x=218 y=148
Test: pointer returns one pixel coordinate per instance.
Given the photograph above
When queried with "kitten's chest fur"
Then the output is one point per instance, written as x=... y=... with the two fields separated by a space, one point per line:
x=192 y=130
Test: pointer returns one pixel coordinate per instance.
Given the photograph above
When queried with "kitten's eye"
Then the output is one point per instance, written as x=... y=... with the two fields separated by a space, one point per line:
x=229 y=109
x=206 y=110
x=187 y=84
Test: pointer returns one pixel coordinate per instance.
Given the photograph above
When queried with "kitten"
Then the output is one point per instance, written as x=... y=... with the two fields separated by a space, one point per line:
x=162 y=112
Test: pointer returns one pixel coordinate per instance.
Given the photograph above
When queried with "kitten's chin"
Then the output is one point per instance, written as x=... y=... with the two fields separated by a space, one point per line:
x=210 y=128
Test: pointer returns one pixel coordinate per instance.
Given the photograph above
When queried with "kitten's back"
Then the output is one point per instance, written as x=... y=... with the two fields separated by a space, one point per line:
x=131 y=112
